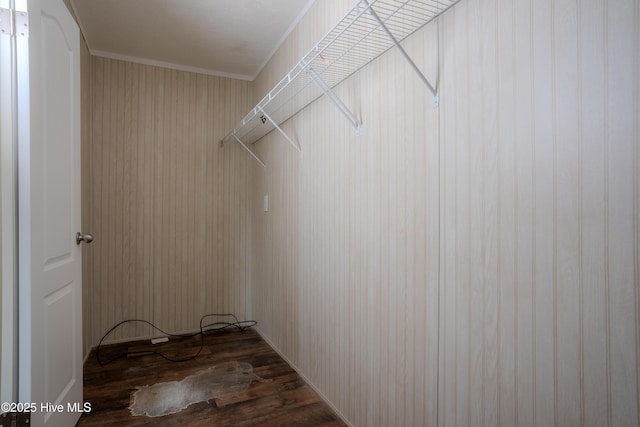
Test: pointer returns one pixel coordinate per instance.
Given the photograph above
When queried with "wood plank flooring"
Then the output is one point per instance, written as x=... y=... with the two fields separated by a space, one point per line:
x=279 y=398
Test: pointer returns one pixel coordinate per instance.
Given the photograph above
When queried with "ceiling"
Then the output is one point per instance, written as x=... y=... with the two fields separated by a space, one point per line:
x=230 y=38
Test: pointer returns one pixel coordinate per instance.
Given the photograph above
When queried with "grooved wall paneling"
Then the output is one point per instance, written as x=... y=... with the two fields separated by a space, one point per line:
x=166 y=202
x=540 y=213
x=344 y=264
x=474 y=264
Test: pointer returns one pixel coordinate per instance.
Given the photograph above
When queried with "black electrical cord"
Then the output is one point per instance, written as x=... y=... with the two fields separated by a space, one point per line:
x=215 y=326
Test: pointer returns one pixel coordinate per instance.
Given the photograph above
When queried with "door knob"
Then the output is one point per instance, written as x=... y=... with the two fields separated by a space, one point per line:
x=87 y=238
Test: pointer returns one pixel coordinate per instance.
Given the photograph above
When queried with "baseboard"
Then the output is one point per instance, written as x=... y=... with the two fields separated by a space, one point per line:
x=304 y=377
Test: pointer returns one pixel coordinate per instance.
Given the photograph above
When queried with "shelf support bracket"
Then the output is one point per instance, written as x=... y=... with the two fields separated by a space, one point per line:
x=403 y=52
x=250 y=151
x=266 y=116
x=337 y=101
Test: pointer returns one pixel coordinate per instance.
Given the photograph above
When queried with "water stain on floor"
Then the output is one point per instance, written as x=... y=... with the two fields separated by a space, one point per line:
x=218 y=381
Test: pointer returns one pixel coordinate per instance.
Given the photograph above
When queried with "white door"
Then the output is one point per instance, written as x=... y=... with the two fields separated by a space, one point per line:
x=50 y=292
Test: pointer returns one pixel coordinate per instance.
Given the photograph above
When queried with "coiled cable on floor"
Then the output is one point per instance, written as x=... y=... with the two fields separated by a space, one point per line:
x=215 y=326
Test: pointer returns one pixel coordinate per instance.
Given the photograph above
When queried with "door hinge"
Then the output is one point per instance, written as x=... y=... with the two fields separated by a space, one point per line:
x=14 y=23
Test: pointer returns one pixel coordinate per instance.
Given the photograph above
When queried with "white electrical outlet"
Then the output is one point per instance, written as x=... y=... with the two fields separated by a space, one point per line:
x=265 y=206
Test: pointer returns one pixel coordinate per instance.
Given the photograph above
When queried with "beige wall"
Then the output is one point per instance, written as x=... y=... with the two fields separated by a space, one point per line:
x=345 y=263
x=166 y=203
x=540 y=213
x=476 y=263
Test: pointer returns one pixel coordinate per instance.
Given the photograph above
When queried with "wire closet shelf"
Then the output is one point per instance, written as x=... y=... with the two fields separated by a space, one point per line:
x=368 y=30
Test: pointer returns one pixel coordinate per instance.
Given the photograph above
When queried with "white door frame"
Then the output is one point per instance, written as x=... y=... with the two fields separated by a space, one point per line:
x=8 y=205
x=24 y=210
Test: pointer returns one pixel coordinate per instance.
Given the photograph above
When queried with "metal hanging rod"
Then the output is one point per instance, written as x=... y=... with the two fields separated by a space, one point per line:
x=368 y=30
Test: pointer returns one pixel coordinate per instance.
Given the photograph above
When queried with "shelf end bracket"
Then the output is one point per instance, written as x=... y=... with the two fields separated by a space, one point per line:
x=337 y=101
x=266 y=116
x=250 y=151
x=403 y=52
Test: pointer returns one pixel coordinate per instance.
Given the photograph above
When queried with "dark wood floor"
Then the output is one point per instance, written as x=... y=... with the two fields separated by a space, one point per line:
x=282 y=399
